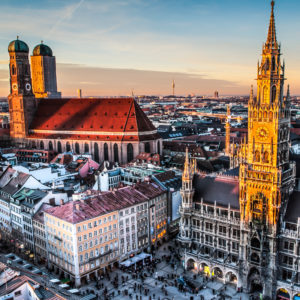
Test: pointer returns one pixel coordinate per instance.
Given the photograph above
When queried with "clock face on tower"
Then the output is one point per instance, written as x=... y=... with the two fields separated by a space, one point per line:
x=15 y=87
x=27 y=87
x=262 y=133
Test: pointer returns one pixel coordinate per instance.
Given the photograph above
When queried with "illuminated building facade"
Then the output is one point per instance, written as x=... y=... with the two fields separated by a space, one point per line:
x=244 y=227
x=43 y=66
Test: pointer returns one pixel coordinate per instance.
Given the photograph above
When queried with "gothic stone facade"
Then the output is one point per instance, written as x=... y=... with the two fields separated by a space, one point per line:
x=245 y=229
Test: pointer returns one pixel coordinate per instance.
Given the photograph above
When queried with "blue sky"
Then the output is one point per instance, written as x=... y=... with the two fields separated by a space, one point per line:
x=213 y=43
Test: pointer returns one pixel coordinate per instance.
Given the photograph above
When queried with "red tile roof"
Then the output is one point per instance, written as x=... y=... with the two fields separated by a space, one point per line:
x=78 y=211
x=95 y=118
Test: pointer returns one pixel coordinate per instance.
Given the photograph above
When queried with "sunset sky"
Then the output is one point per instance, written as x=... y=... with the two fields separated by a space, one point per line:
x=109 y=47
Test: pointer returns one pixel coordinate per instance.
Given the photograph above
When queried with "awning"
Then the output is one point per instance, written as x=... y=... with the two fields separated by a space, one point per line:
x=54 y=280
x=64 y=286
x=144 y=255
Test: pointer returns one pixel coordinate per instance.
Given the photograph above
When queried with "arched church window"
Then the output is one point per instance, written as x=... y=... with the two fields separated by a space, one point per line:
x=147 y=147
x=255 y=243
x=50 y=146
x=265 y=114
x=96 y=152
x=116 y=153
x=273 y=64
x=106 y=152
x=266 y=96
x=129 y=152
x=271 y=116
x=266 y=157
x=68 y=147
x=33 y=145
x=59 y=149
x=273 y=93
x=255 y=258
x=86 y=148
x=13 y=70
x=77 y=150
x=257 y=156
x=42 y=145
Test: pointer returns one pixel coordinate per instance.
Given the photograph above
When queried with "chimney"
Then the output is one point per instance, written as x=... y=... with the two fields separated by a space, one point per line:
x=52 y=201
x=61 y=201
x=79 y=93
x=77 y=207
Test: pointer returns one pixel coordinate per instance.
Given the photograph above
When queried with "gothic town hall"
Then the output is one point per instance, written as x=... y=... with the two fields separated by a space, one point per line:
x=243 y=226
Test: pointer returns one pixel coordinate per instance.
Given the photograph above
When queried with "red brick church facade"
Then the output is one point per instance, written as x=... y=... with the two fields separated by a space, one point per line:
x=114 y=129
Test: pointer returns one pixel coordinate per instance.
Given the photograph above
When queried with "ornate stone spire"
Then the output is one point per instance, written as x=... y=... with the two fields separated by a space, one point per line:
x=186 y=173
x=271 y=40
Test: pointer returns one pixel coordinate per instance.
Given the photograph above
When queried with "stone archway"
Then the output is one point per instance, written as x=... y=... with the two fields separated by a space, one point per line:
x=254 y=281
x=217 y=272
x=231 y=278
x=296 y=297
x=205 y=269
x=191 y=264
x=283 y=294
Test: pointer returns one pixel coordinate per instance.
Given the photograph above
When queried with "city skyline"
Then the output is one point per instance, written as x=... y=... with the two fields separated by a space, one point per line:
x=112 y=49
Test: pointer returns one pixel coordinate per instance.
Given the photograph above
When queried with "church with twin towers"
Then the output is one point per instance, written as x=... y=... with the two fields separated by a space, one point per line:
x=243 y=226
x=110 y=129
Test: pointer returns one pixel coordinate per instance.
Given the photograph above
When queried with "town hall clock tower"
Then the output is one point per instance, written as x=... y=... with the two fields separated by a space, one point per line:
x=22 y=104
x=266 y=175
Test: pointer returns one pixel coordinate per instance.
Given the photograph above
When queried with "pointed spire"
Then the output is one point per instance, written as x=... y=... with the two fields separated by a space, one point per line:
x=272 y=41
x=186 y=172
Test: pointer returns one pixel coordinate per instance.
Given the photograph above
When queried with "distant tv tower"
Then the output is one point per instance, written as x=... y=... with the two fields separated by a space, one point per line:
x=173 y=87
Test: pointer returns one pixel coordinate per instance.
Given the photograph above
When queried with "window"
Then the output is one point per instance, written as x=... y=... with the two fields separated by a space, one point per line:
x=222 y=230
x=116 y=153
x=18 y=293
x=129 y=153
x=289 y=246
x=222 y=243
x=209 y=227
x=68 y=147
x=287 y=260
x=96 y=152
x=77 y=150
x=59 y=148
x=235 y=246
x=86 y=148
x=106 y=152
x=208 y=239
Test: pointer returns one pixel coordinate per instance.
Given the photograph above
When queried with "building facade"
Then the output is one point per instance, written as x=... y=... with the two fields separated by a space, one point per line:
x=243 y=230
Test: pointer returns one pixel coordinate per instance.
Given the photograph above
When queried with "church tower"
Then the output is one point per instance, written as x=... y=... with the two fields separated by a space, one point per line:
x=22 y=103
x=43 y=67
x=266 y=176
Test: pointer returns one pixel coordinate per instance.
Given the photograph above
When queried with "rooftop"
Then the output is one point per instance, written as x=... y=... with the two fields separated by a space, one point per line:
x=117 y=119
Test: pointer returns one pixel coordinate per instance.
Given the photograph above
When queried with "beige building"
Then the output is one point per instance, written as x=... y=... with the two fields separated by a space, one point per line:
x=82 y=239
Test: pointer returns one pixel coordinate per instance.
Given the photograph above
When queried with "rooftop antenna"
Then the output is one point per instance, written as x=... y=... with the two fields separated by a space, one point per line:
x=173 y=87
